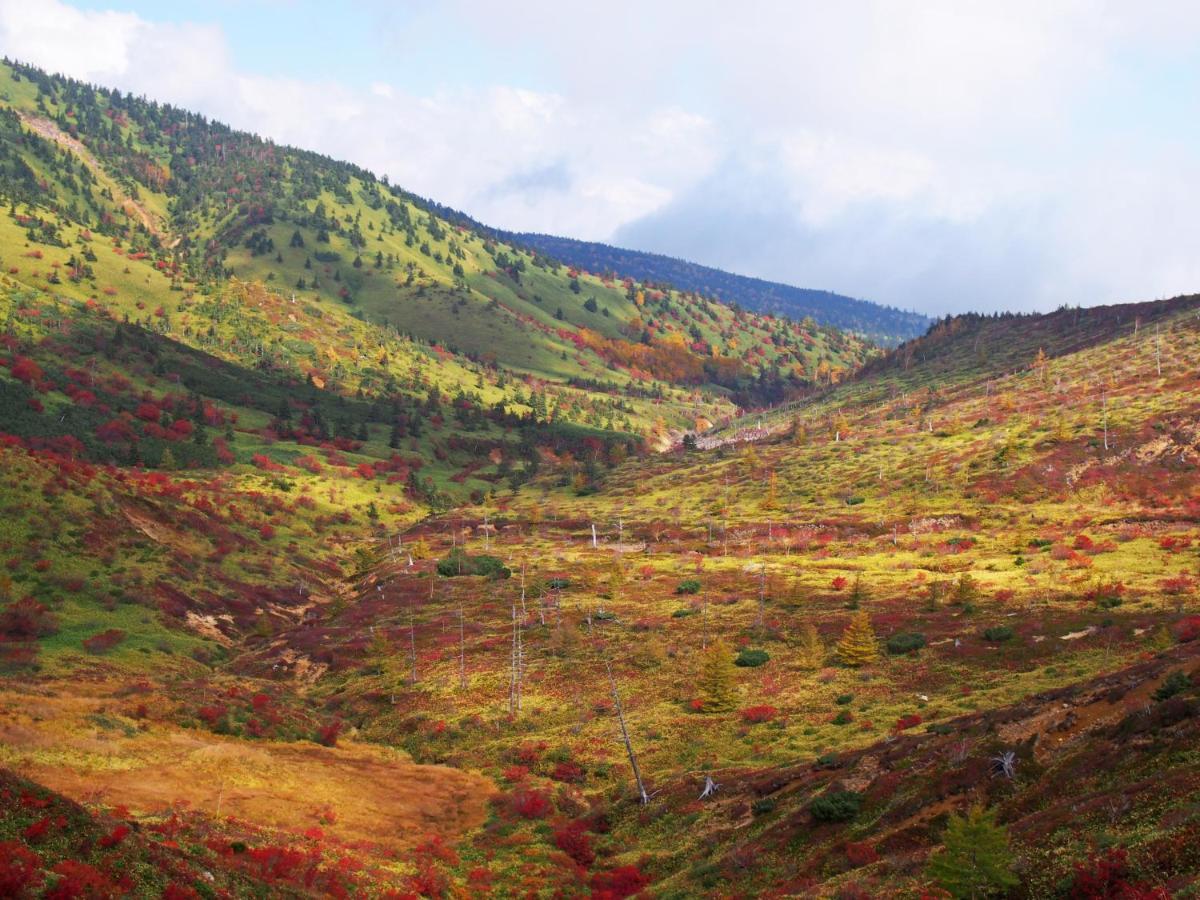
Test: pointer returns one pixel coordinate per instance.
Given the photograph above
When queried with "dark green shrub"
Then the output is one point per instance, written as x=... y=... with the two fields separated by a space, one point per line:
x=1175 y=683
x=557 y=584
x=845 y=717
x=998 y=633
x=750 y=659
x=683 y=613
x=688 y=586
x=844 y=699
x=836 y=806
x=459 y=563
x=763 y=806
x=910 y=642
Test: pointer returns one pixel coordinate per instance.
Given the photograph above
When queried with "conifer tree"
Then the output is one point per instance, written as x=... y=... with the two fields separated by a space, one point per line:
x=976 y=861
x=772 y=499
x=716 y=678
x=858 y=646
x=799 y=432
x=966 y=590
x=811 y=653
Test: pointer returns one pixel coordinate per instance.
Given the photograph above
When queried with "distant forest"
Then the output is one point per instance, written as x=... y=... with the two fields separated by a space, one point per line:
x=882 y=324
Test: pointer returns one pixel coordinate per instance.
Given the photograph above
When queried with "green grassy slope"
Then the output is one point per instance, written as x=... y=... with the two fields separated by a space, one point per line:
x=206 y=204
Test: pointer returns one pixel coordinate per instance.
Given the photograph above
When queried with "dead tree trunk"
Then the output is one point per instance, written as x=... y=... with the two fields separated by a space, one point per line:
x=637 y=774
x=462 y=650
x=412 y=644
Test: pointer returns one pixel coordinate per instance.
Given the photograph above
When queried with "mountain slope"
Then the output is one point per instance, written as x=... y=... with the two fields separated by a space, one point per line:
x=201 y=203
x=883 y=324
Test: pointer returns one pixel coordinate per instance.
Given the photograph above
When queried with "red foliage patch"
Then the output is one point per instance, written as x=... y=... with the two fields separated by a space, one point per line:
x=1187 y=629
x=573 y=840
x=1107 y=876
x=861 y=853
x=758 y=714
x=569 y=772
x=529 y=804
x=26 y=619
x=104 y=641
x=618 y=883
x=26 y=370
x=79 y=880
x=20 y=870
x=327 y=735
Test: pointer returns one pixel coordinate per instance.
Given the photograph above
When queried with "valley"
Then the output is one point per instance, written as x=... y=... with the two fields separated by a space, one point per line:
x=349 y=550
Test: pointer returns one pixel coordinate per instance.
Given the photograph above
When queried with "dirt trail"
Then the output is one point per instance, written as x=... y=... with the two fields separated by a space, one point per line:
x=72 y=745
x=51 y=132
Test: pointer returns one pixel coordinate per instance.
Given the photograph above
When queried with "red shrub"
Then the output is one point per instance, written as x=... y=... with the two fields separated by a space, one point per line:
x=530 y=804
x=148 y=412
x=569 y=772
x=528 y=754
x=912 y=720
x=115 y=837
x=428 y=881
x=26 y=370
x=275 y=863
x=616 y=884
x=20 y=870
x=79 y=880
x=104 y=641
x=1107 y=876
x=573 y=840
x=1187 y=630
x=515 y=773
x=174 y=891
x=211 y=715
x=266 y=463
x=861 y=853
x=27 y=619
x=434 y=847
x=1180 y=584
x=328 y=734
x=838 y=583
x=35 y=831
x=757 y=714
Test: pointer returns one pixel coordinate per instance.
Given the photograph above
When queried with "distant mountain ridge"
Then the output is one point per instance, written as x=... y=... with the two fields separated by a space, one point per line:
x=883 y=324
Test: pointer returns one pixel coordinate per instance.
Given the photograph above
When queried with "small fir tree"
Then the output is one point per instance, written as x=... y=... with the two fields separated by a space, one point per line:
x=716 y=678
x=976 y=861
x=858 y=646
x=811 y=651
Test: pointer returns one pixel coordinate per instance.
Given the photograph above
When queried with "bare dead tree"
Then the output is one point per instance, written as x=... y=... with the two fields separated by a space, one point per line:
x=462 y=649
x=637 y=774
x=762 y=596
x=412 y=643
x=1157 y=350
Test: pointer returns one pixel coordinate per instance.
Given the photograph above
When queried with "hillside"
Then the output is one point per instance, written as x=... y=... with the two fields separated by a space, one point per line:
x=882 y=324
x=199 y=204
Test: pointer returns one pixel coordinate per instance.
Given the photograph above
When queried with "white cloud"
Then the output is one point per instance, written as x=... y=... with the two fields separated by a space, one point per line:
x=941 y=155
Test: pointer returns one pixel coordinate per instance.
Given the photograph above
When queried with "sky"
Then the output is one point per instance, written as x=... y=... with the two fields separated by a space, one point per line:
x=941 y=156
